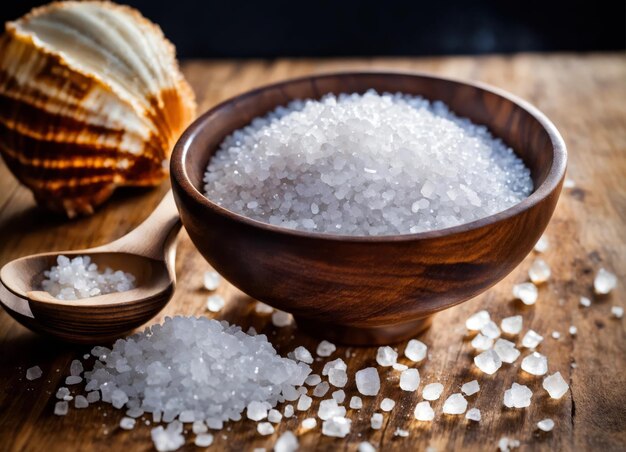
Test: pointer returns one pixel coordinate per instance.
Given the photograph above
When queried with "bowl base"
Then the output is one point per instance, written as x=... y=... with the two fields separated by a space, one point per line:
x=364 y=336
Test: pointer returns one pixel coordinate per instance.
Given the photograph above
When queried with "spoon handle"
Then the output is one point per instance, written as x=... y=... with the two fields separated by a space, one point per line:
x=152 y=237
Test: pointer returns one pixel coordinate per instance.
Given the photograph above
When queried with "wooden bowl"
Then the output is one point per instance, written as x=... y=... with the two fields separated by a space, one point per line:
x=369 y=290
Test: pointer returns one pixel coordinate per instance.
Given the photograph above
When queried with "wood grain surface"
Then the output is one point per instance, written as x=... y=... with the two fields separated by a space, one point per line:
x=585 y=96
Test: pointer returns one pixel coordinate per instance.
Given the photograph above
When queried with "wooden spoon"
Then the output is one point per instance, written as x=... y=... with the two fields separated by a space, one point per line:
x=148 y=252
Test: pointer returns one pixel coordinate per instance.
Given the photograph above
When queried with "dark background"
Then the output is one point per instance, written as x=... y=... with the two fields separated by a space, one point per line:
x=273 y=28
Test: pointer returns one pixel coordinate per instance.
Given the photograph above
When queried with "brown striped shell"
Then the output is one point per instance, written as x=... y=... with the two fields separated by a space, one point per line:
x=91 y=98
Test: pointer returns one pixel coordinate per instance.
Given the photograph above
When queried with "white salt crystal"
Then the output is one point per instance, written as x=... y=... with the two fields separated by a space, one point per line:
x=118 y=398
x=569 y=183
x=415 y=350
x=409 y=380
x=211 y=280
x=473 y=415
x=309 y=423
x=186 y=416
x=399 y=366
x=76 y=367
x=531 y=339
x=401 y=433
x=356 y=403
x=481 y=342
x=518 y=396
x=376 y=421
x=262 y=308
x=545 y=425
x=604 y=282
x=337 y=426
x=617 y=312
x=542 y=244
x=539 y=271
x=325 y=348
x=329 y=408
x=203 y=440
x=477 y=321
x=488 y=361
x=512 y=325
x=368 y=381
x=127 y=423
x=506 y=351
x=339 y=396
x=288 y=411
x=556 y=385
x=506 y=444
x=61 y=408
x=573 y=330
x=337 y=377
x=215 y=303
x=33 y=373
x=387 y=404
x=585 y=302
x=73 y=379
x=470 y=388
x=556 y=335
x=302 y=354
x=287 y=442
x=386 y=356
x=256 y=410
x=265 y=428
x=432 y=391
x=304 y=403
x=535 y=364
x=490 y=330
x=197 y=427
x=274 y=416
x=93 y=396
x=526 y=292
x=365 y=447
x=321 y=389
x=313 y=380
x=169 y=438
x=335 y=364
x=80 y=402
x=281 y=319
x=424 y=412
x=62 y=392
x=455 y=404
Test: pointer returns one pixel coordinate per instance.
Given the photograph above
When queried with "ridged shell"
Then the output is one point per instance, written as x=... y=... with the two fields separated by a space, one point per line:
x=91 y=98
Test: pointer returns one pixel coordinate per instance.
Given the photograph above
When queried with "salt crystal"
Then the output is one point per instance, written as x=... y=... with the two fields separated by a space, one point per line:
x=287 y=442
x=73 y=379
x=488 y=361
x=265 y=428
x=490 y=330
x=415 y=350
x=518 y=396
x=573 y=330
x=61 y=408
x=506 y=444
x=569 y=183
x=198 y=427
x=203 y=440
x=302 y=354
x=76 y=367
x=215 y=303
x=33 y=373
x=281 y=319
x=365 y=447
x=535 y=364
x=556 y=385
x=512 y=325
x=604 y=282
x=62 y=392
x=387 y=404
x=432 y=391
x=399 y=366
x=337 y=426
x=386 y=356
x=339 y=396
x=531 y=339
x=80 y=402
x=256 y=410
x=288 y=411
x=401 y=433
x=455 y=404
x=211 y=280
x=304 y=403
x=329 y=408
x=481 y=342
x=539 y=271
x=309 y=423
x=325 y=349
x=93 y=396
x=526 y=292
x=321 y=389
x=617 y=312
x=337 y=377
x=470 y=388
x=274 y=416
x=262 y=308
x=335 y=364
x=376 y=421
x=409 y=380
x=546 y=425
x=118 y=398
x=585 y=302
x=368 y=381
x=542 y=244
x=424 y=412
x=506 y=351
x=556 y=335
x=356 y=403
x=127 y=423
x=477 y=321
x=473 y=415
x=313 y=380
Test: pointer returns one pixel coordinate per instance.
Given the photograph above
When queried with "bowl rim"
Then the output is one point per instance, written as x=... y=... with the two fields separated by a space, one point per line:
x=178 y=172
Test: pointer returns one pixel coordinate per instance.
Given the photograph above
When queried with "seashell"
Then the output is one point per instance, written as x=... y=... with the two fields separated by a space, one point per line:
x=91 y=98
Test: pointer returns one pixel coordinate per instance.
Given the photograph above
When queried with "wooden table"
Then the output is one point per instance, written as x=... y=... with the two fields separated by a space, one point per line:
x=585 y=95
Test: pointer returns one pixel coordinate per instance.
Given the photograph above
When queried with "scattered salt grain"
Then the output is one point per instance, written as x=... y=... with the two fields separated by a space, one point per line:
x=617 y=312
x=432 y=391
x=33 y=373
x=569 y=183
x=337 y=377
x=506 y=444
x=334 y=364
x=73 y=379
x=325 y=349
x=203 y=440
x=304 y=403
x=542 y=244
x=535 y=364
x=274 y=416
x=506 y=351
x=62 y=392
x=197 y=427
x=287 y=442
x=329 y=408
x=526 y=292
x=337 y=426
x=556 y=335
x=415 y=350
x=356 y=403
x=490 y=330
x=127 y=423
x=556 y=386
x=424 y=412
x=368 y=381
x=573 y=330
x=400 y=367
x=211 y=280
x=539 y=271
x=80 y=402
x=387 y=404
x=401 y=433
x=215 y=303
x=309 y=423
x=481 y=342
x=302 y=354
x=518 y=396
x=604 y=282
x=386 y=356
x=339 y=396
x=585 y=302
x=376 y=421
x=365 y=447
x=470 y=388
x=531 y=339
x=409 y=380
x=76 y=367
x=321 y=389
x=477 y=321
x=288 y=411
x=545 y=425
x=61 y=408
x=265 y=428
x=512 y=325
x=256 y=410
x=93 y=396
x=488 y=361
x=455 y=404
x=473 y=415
x=313 y=380
x=262 y=308
x=281 y=319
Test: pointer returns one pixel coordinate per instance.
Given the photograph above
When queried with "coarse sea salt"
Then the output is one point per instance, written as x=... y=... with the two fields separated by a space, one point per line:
x=424 y=412
x=387 y=404
x=526 y=292
x=542 y=244
x=302 y=354
x=287 y=442
x=432 y=391
x=481 y=342
x=512 y=325
x=409 y=380
x=604 y=282
x=356 y=403
x=365 y=164
x=490 y=330
x=325 y=349
x=368 y=381
x=415 y=350
x=535 y=364
x=386 y=356
x=77 y=278
x=545 y=425
x=473 y=415
x=617 y=312
x=518 y=396
x=211 y=280
x=32 y=373
x=330 y=408
x=455 y=404
x=585 y=302
x=309 y=423
x=488 y=361
x=376 y=421
x=215 y=303
x=281 y=319
x=364 y=446
x=470 y=388
x=506 y=351
x=477 y=321
x=321 y=389
x=337 y=426
x=556 y=385
x=539 y=271
x=531 y=339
